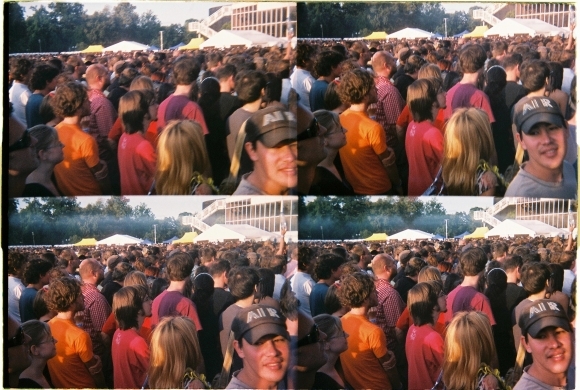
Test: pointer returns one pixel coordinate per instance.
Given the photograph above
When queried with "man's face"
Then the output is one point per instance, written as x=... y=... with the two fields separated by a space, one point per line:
x=551 y=351
x=267 y=359
x=546 y=146
x=277 y=165
x=24 y=160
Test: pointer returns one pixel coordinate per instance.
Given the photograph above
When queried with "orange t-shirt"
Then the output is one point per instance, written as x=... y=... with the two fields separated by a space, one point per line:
x=405 y=321
x=81 y=153
x=365 y=141
x=360 y=362
x=73 y=349
x=151 y=135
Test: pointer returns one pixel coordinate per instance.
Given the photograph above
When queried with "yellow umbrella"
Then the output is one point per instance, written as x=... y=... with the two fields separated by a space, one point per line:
x=186 y=239
x=377 y=36
x=86 y=242
x=193 y=44
x=377 y=237
x=93 y=49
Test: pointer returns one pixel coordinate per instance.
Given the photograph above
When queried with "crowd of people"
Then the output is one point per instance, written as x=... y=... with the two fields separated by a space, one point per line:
x=164 y=123
x=467 y=314
x=411 y=117
x=488 y=117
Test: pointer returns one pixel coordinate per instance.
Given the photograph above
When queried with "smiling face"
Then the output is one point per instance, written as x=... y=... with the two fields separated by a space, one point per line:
x=552 y=353
x=275 y=168
x=265 y=362
x=546 y=147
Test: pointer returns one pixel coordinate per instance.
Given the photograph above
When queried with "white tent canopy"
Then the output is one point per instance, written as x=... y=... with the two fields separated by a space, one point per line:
x=532 y=228
x=221 y=232
x=511 y=26
x=245 y=38
x=120 y=239
x=411 y=33
x=410 y=234
x=126 y=46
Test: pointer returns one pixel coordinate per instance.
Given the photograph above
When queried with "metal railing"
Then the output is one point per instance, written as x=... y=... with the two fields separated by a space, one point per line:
x=487 y=17
x=204 y=28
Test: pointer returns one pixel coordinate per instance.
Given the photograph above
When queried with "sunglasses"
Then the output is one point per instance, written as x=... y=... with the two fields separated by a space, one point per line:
x=312 y=131
x=18 y=339
x=23 y=143
x=310 y=338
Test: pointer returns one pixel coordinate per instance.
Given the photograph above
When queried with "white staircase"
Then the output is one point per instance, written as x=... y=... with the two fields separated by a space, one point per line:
x=488 y=14
x=204 y=28
x=488 y=216
x=196 y=220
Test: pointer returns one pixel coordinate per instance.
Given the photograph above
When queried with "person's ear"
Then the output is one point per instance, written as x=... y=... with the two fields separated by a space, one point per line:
x=519 y=139
x=238 y=349
x=251 y=151
x=525 y=344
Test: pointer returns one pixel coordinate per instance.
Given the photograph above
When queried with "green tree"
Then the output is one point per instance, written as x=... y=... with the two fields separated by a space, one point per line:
x=149 y=27
x=16 y=27
x=41 y=32
x=69 y=19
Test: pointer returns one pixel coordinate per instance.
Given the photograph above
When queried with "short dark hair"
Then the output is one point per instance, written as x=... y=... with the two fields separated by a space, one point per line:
x=185 y=71
x=512 y=61
x=355 y=289
x=16 y=261
x=304 y=53
x=34 y=269
x=421 y=95
x=120 y=271
x=19 y=68
x=326 y=263
x=42 y=74
x=472 y=58
x=242 y=282
x=305 y=257
x=327 y=60
x=512 y=262
x=566 y=259
x=249 y=85
x=355 y=85
x=266 y=283
x=277 y=263
x=472 y=261
x=126 y=305
x=225 y=71
x=413 y=64
x=534 y=276
x=179 y=266
x=421 y=300
x=533 y=75
x=219 y=267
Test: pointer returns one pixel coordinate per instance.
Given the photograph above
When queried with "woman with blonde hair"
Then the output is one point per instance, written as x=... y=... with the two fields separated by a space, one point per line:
x=175 y=356
x=470 y=354
x=182 y=161
x=328 y=178
x=468 y=155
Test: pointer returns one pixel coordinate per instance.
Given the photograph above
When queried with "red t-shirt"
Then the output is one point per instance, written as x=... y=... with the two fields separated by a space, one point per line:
x=405 y=118
x=467 y=299
x=137 y=161
x=173 y=303
x=405 y=321
x=467 y=95
x=130 y=354
x=111 y=326
x=151 y=134
x=424 y=146
x=180 y=107
x=424 y=349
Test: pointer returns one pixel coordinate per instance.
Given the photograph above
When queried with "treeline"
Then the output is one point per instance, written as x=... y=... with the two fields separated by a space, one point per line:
x=359 y=217
x=67 y=27
x=356 y=19
x=53 y=221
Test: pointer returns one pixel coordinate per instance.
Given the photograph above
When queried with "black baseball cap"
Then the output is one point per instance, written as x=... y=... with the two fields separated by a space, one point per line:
x=537 y=109
x=541 y=314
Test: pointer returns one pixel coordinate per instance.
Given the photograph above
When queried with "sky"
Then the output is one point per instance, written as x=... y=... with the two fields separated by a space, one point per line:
x=174 y=12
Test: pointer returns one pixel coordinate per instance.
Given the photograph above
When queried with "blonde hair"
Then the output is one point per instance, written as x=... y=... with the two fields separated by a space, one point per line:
x=429 y=273
x=135 y=278
x=468 y=139
x=174 y=349
x=181 y=152
x=430 y=71
x=140 y=83
x=468 y=344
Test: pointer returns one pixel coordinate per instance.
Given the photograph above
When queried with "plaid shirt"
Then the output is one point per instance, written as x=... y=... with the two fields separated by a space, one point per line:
x=103 y=115
x=389 y=107
x=389 y=310
x=97 y=310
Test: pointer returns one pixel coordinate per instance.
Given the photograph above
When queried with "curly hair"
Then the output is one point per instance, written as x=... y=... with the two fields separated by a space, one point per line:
x=41 y=75
x=326 y=263
x=16 y=262
x=62 y=293
x=355 y=86
x=68 y=98
x=19 y=68
x=355 y=289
